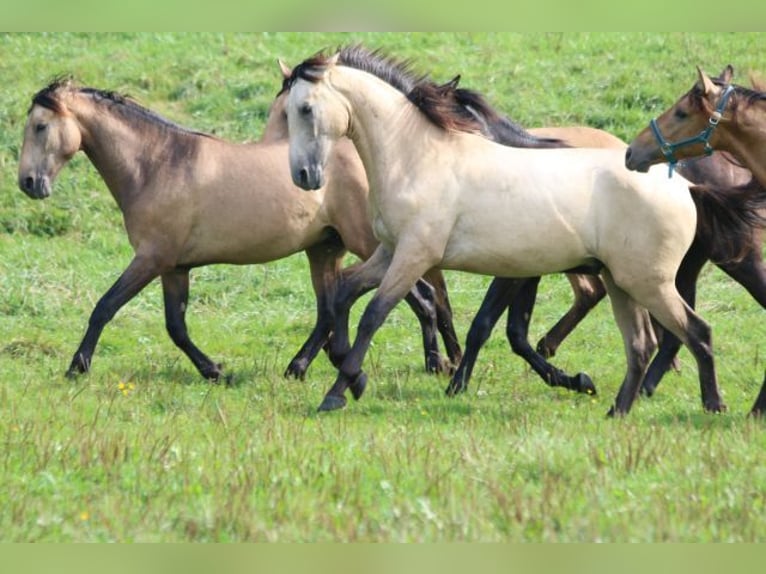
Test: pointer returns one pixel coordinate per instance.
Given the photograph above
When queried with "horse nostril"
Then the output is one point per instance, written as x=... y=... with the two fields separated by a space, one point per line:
x=29 y=183
x=304 y=175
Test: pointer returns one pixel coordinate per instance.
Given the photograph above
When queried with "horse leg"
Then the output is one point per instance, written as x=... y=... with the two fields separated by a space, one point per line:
x=355 y=281
x=421 y=300
x=495 y=302
x=638 y=341
x=175 y=294
x=444 y=316
x=517 y=331
x=667 y=306
x=686 y=283
x=759 y=406
x=324 y=264
x=396 y=274
x=136 y=276
x=588 y=291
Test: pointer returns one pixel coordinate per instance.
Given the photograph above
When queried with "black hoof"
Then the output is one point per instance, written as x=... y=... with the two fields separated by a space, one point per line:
x=332 y=403
x=715 y=407
x=296 y=370
x=615 y=413
x=358 y=386
x=454 y=388
x=583 y=384
x=647 y=390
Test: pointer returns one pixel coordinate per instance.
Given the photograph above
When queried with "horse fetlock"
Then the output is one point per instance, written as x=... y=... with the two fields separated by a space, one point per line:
x=714 y=406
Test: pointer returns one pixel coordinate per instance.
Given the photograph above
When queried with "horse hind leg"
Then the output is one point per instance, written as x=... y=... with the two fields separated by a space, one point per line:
x=175 y=294
x=638 y=340
x=677 y=317
x=517 y=330
x=324 y=264
x=759 y=406
x=588 y=291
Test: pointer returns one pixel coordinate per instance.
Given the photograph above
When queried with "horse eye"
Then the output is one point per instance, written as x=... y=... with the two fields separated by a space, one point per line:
x=306 y=110
x=680 y=114
x=39 y=128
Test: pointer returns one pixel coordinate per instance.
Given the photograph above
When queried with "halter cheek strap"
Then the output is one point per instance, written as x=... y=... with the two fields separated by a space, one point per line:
x=668 y=149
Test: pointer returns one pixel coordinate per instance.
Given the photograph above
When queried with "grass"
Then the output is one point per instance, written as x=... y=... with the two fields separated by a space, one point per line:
x=142 y=449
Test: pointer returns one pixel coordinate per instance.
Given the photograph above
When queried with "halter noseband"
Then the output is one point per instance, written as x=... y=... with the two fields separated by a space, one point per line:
x=668 y=149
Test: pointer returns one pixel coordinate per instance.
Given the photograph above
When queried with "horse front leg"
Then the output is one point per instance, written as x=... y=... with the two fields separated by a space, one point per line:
x=495 y=302
x=175 y=295
x=325 y=265
x=138 y=275
x=444 y=316
x=421 y=300
x=396 y=275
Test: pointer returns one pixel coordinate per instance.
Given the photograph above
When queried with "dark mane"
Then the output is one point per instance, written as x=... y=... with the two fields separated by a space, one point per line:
x=744 y=94
x=423 y=93
x=445 y=105
x=127 y=107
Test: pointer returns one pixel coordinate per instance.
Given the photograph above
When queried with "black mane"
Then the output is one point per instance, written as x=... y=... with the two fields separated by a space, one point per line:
x=125 y=105
x=445 y=105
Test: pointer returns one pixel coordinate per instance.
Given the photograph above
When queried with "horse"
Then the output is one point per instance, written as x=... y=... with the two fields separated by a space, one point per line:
x=190 y=199
x=443 y=196
x=714 y=114
x=737 y=251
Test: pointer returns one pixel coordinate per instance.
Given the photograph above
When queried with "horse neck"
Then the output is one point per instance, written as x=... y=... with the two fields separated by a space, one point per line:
x=381 y=117
x=120 y=152
x=745 y=138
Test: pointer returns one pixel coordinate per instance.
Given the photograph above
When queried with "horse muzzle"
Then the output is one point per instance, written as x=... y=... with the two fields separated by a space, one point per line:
x=35 y=187
x=634 y=162
x=309 y=177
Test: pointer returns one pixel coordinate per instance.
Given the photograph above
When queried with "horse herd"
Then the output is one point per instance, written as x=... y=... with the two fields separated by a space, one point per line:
x=360 y=154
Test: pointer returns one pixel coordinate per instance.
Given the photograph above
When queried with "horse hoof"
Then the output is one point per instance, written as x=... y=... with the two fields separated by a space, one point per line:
x=358 y=386
x=715 y=407
x=332 y=403
x=296 y=370
x=584 y=384
x=647 y=390
x=614 y=412
x=454 y=388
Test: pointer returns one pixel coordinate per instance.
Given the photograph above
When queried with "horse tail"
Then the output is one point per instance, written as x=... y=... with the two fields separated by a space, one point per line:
x=500 y=128
x=727 y=218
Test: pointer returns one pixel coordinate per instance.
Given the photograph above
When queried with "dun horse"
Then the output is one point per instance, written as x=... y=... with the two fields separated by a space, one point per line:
x=441 y=197
x=189 y=199
x=713 y=115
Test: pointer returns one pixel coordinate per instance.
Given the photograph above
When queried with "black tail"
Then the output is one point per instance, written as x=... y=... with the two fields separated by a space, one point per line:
x=728 y=219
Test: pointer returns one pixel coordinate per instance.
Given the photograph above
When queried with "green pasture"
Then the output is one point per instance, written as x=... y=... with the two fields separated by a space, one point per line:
x=143 y=449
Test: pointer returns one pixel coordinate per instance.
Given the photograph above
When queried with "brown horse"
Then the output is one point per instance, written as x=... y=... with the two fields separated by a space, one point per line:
x=189 y=199
x=713 y=115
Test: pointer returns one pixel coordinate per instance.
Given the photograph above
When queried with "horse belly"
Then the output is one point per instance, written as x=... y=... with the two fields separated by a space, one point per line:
x=506 y=247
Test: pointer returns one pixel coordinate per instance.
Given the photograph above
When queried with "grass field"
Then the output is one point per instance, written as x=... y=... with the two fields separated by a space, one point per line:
x=143 y=449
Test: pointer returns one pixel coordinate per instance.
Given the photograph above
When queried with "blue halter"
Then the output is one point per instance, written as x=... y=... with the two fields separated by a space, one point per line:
x=668 y=149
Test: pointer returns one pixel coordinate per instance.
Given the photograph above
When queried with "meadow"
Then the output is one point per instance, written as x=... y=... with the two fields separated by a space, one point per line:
x=142 y=449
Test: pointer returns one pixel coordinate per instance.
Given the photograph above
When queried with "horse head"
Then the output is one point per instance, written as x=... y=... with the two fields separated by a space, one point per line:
x=51 y=137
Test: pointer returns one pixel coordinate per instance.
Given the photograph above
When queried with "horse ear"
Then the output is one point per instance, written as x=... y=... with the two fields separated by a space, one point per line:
x=453 y=82
x=727 y=74
x=704 y=80
x=286 y=70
